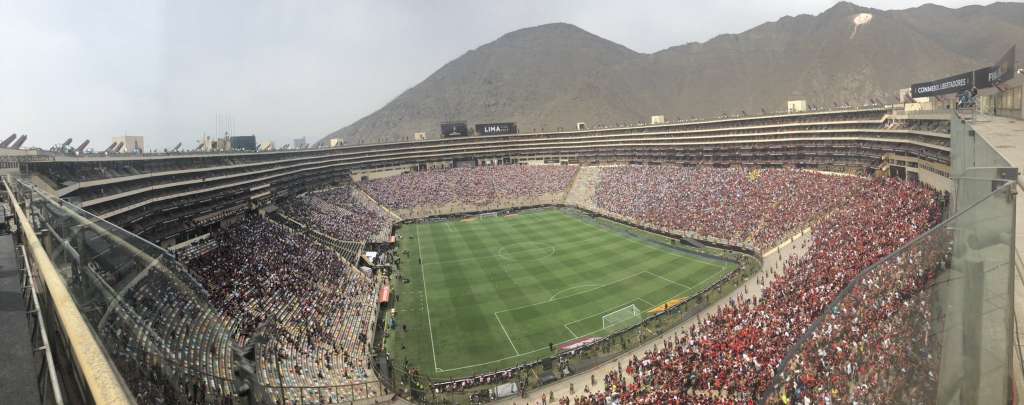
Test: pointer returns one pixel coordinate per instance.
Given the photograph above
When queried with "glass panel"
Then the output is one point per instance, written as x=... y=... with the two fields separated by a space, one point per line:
x=152 y=318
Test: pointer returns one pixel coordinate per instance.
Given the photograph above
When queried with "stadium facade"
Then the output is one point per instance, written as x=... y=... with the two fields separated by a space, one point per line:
x=107 y=237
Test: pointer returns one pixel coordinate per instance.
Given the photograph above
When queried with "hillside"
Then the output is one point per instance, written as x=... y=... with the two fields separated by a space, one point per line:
x=555 y=75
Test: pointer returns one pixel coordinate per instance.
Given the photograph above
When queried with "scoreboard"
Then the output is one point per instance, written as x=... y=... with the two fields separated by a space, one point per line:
x=454 y=128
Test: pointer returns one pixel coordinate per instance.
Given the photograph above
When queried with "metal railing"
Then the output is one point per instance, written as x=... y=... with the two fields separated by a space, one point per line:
x=85 y=371
x=46 y=379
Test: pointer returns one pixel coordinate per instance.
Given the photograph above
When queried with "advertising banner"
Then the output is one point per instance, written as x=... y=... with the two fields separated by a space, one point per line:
x=948 y=85
x=985 y=77
x=500 y=128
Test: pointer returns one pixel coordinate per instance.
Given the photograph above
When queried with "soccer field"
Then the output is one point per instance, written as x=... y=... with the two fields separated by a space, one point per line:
x=493 y=292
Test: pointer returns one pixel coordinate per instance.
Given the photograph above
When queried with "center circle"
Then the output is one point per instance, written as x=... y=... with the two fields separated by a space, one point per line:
x=526 y=251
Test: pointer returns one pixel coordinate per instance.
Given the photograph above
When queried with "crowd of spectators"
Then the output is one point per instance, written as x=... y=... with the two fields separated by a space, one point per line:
x=732 y=355
x=187 y=348
x=315 y=307
x=338 y=213
x=877 y=345
x=759 y=207
x=476 y=185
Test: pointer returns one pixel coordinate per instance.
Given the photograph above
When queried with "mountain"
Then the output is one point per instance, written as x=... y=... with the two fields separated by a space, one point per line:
x=555 y=75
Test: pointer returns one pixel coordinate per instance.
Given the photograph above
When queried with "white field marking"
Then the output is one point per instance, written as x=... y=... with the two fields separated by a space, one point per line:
x=721 y=267
x=718 y=265
x=449 y=224
x=426 y=302
x=506 y=333
x=670 y=251
x=570 y=331
x=572 y=295
x=605 y=312
x=521 y=354
x=497 y=255
x=719 y=272
x=548 y=251
x=573 y=288
x=673 y=282
x=600 y=329
x=564 y=341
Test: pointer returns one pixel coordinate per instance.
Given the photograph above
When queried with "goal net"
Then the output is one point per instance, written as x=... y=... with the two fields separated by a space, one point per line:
x=621 y=318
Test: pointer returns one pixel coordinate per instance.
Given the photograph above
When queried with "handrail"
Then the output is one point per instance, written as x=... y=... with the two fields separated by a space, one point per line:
x=36 y=309
x=99 y=227
x=102 y=380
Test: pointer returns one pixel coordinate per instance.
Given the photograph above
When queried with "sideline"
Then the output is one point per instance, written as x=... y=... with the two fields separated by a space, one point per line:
x=426 y=302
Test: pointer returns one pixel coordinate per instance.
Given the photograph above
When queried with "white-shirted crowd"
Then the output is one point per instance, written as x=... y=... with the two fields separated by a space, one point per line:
x=759 y=207
x=479 y=185
x=337 y=213
x=318 y=308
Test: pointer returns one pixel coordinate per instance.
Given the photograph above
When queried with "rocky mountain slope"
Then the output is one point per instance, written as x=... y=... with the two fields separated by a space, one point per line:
x=555 y=75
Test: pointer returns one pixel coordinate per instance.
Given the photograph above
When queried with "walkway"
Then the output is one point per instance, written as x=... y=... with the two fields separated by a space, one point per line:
x=17 y=373
x=1006 y=136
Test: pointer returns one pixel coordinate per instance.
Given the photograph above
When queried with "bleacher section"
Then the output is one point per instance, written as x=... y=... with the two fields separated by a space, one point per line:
x=318 y=307
x=339 y=214
x=434 y=192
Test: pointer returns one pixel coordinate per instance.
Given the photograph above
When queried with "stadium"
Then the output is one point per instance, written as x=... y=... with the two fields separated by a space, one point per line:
x=848 y=254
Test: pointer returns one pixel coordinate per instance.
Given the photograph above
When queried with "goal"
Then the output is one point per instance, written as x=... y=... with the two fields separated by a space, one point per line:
x=621 y=318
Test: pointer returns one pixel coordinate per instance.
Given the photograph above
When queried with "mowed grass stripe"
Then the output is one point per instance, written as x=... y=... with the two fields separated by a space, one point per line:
x=478 y=272
x=503 y=282
x=465 y=302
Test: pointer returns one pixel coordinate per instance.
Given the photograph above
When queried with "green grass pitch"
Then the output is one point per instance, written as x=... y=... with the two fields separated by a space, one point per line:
x=493 y=292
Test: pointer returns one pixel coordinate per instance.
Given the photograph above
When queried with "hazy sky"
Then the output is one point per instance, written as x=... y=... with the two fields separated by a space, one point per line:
x=282 y=70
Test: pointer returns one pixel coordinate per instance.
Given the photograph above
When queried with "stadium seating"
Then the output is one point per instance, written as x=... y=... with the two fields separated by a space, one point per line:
x=319 y=309
x=323 y=308
x=469 y=189
x=730 y=356
x=758 y=208
x=339 y=214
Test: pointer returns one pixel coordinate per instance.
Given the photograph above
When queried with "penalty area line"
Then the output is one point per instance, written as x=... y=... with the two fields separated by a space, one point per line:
x=670 y=281
x=506 y=333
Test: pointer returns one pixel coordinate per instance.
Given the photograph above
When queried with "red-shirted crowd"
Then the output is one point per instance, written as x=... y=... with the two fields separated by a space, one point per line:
x=731 y=356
